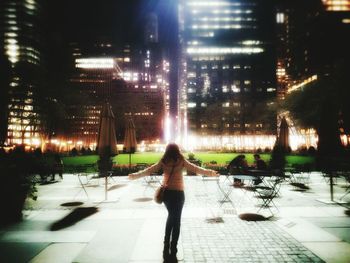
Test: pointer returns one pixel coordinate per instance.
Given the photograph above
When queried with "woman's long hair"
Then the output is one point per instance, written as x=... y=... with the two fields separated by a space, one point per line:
x=172 y=153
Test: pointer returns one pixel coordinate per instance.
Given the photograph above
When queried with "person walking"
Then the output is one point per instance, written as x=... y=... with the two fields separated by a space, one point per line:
x=172 y=163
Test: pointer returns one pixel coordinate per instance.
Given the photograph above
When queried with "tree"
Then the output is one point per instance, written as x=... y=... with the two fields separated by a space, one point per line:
x=322 y=105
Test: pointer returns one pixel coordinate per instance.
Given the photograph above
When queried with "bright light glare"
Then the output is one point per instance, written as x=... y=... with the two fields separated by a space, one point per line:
x=90 y=63
x=207 y=26
x=212 y=3
x=224 y=50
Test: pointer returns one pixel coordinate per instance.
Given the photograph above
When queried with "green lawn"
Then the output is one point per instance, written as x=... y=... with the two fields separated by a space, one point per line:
x=220 y=158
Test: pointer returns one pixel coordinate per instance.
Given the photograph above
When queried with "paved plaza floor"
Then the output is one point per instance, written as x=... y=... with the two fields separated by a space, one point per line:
x=66 y=225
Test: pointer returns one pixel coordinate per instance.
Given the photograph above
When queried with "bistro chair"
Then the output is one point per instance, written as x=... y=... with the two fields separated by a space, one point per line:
x=268 y=194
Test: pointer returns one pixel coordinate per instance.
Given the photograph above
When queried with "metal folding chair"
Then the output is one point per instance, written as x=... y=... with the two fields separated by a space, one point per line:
x=268 y=194
x=85 y=174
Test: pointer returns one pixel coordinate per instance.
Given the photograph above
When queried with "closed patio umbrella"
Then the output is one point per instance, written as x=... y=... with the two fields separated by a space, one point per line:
x=283 y=136
x=106 y=141
x=130 y=142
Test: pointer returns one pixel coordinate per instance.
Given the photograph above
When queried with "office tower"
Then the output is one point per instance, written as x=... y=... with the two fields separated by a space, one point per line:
x=297 y=35
x=311 y=38
x=21 y=43
x=93 y=80
x=227 y=68
x=128 y=78
x=151 y=29
x=145 y=70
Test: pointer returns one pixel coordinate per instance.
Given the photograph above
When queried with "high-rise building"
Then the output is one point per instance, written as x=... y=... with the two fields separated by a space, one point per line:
x=227 y=68
x=132 y=79
x=311 y=38
x=94 y=81
x=21 y=42
x=151 y=29
x=297 y=34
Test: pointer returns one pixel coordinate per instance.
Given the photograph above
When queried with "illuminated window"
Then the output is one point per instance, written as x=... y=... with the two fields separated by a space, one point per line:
x=191 y=74
x=236 y=104
x=226 y=104
x=190 y=90
x=337 y=5
x=224 y=50
x=280 y=18
x=224 y=89
x=235 y=89
x=191 y=105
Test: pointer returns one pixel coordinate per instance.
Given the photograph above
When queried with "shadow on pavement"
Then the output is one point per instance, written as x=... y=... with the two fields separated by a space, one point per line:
x=143 y=199
x=114 y=187
x=252 y=217
x=300 y=187
x=75 y=216
x=215 y=220
x=72 y=204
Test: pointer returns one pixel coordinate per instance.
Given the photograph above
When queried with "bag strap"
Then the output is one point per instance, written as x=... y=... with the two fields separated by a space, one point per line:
x=171 y=173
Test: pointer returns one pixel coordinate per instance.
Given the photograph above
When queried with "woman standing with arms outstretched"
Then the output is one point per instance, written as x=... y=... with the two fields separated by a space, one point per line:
x=173 y=163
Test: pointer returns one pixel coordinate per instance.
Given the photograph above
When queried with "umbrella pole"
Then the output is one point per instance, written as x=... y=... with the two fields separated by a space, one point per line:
x=106 y=182
x=129 y=160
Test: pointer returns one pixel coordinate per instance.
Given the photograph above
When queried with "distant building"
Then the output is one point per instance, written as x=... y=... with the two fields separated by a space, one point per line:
x=151 y=29
x=228 y=68
x=134 y=82
x=146 y=106
x=311 y=37
x=94 y=81
x=21 y=40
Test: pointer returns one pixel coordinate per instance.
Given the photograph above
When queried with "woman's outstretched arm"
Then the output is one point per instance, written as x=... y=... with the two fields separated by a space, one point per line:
x=199 y=170
x=149 y=170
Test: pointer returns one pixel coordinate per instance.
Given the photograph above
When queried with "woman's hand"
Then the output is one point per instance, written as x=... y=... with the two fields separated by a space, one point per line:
x=133 y=176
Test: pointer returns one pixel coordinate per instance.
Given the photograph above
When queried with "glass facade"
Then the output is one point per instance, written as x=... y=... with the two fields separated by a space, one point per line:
x=227 y=67
x=21 y=44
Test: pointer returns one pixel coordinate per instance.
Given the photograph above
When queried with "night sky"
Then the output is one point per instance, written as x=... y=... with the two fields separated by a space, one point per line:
x=120 y=20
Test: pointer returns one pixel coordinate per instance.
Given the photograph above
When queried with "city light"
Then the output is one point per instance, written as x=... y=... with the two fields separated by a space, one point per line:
x=337 y=5
x=223 y=50
x=302 y=84
x=95 y=63
x=212 y=3
x=217 y=26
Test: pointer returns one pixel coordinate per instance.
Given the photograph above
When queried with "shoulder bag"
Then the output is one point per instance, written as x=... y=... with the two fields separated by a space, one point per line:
x=159 y=194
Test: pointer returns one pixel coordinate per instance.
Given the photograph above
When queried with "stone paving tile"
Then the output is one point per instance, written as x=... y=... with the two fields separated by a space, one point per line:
x=240 y=241
x=233 y=240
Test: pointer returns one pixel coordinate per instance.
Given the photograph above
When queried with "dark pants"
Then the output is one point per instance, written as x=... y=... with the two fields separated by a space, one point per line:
x=174 y=202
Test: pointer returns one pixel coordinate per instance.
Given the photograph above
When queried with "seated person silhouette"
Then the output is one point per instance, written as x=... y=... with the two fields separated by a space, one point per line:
x=259 y=164
x=238 y=165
